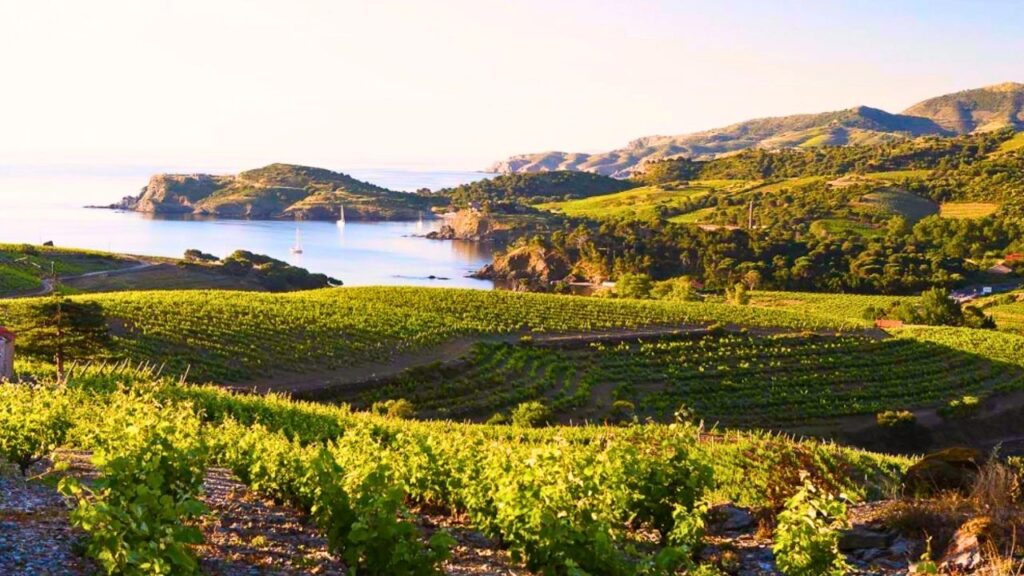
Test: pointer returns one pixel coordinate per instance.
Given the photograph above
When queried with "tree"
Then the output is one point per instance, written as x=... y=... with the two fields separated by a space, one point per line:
x=65 y=330
x=633 y=286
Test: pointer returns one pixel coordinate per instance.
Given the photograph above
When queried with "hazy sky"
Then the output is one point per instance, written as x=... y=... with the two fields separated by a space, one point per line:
x=457 y=84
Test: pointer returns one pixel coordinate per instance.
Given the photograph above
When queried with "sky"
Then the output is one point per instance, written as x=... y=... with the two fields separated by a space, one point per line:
x=458 y=84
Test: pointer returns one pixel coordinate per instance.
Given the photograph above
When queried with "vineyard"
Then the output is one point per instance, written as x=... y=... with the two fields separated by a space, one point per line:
x=232 y=336
x=599 y=500
x=737 y=380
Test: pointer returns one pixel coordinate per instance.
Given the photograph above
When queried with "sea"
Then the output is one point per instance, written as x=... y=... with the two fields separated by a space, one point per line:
x=48 y=204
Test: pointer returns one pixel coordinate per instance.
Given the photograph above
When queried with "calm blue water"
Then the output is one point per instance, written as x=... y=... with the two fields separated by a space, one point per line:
x=37 y=205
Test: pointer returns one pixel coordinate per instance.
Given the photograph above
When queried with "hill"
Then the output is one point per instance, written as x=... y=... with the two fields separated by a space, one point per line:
x=25 y=271
x=965 y=112
x=979 y=110
x=508 y=190
x=274 y=192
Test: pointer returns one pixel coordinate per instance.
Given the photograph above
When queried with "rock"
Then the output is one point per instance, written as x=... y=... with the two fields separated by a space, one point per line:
x=861 y=538
x=902 y=547
x=950 y=469
x=534 y=264
x=729 y=518
x=963 y=554
x=478 y=540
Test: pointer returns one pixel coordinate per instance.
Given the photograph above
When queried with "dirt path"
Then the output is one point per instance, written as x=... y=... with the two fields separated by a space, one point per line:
x=46 y=286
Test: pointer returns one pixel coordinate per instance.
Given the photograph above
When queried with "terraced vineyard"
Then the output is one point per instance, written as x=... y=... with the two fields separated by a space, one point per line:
x=233 y=336
x=552 y=497
x=738 y=380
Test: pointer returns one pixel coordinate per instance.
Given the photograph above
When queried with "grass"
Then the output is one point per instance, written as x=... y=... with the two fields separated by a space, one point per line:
x=896 y=175
x=841 y=227
x=1015 y=143
x=695 y=217
x=639 y=203
x=847 y=307
x=969 y=210
x=789 y=183
x=898 y=202
x=1008 y=317
x=22 y=266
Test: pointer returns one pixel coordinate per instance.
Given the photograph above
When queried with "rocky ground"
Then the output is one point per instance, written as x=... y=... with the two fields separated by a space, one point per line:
x=244 y=534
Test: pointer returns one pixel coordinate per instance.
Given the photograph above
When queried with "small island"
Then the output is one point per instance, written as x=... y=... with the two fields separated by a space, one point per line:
x=278 y=192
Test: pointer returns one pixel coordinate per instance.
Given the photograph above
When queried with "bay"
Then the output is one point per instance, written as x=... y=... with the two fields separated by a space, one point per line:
x=39 y=204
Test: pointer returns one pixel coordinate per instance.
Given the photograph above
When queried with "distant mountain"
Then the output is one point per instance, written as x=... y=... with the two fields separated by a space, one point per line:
x=274 y=192
x=978 y=110
x=964 y=112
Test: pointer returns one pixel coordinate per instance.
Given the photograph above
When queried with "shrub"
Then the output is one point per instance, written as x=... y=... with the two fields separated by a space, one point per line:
x=807 y=535
x=896 y=418
x=531 y=414
x=395 y=408
x=621 y=411
x=497 y=419
x=959 y=408
x=633 y=286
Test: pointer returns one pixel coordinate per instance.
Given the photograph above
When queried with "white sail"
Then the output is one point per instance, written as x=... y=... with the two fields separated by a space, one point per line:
x=341 y=215
x=297 y=248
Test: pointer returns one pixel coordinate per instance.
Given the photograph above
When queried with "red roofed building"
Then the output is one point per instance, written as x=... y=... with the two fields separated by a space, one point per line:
x=883 y=324
x=6 y=354
x=1013 y=258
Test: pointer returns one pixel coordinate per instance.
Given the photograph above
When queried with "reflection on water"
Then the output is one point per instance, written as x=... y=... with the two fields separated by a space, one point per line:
x=358 y=253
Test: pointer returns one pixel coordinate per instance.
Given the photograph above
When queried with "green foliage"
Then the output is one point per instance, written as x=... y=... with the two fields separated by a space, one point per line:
x=32 y=422
x=531 y=414
x=633 y=286
x=395 y=408
x=959 y=408
x=738 y=294
x=807 y=534
x=73 y=329
x=681 y=289
x=273 y=275
x=151 y=461
x=896 y=419
x=506 y=192
x=734 y=379
x=231 y=336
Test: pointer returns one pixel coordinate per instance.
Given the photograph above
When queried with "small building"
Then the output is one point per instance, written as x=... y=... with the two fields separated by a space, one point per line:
x=885 y=323
x=1000 y=269
x=1013 y=258
x=6 y=354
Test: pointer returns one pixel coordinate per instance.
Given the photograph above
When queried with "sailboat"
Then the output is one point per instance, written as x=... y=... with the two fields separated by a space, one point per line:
x=341 y=215
x=297 y=248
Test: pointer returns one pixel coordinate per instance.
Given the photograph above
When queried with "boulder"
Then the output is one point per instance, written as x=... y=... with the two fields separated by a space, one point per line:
x=730 y=518
x=950 y=469
x=863 y=538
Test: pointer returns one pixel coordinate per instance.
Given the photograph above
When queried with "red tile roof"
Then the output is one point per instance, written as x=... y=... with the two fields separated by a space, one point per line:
x=6 y=334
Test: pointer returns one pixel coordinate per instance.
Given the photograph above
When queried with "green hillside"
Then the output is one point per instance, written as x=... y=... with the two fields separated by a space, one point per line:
x=277 y=191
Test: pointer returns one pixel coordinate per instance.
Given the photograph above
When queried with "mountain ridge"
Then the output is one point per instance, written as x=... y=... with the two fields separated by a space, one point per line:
x=980 y=109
